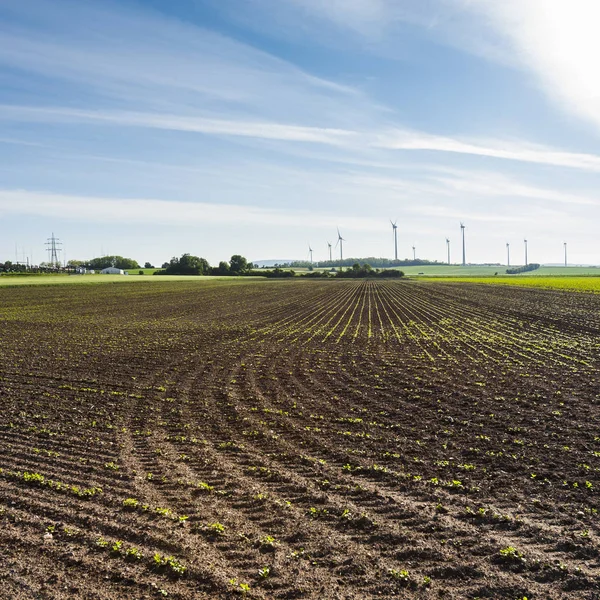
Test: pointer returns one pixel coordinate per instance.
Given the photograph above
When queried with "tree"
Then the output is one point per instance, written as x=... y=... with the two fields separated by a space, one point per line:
x=222 y=269
x=238 y=264
x=187 y=265
x=119 y=262
x=148 y=265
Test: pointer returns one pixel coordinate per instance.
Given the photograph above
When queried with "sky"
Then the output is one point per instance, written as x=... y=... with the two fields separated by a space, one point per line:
x=259 y=127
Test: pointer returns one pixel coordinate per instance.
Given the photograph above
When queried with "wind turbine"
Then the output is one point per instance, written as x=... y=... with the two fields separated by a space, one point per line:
x=310 y=251
x=507 y=254
x=526 y=263
x=340 y=241
x=565 y=245
x=462 y=230
x=414 y=253
x=448 y=248
x=395 y=228
x=329 y=246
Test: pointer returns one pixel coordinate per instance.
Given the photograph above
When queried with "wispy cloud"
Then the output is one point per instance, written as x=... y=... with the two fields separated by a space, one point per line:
x=378 y=25
x=394 y=139
x=157 y=211
x=211 y=126
x=18 y=142
x=490 y=184
x=516 y=151
x=555 y=40
x=154 y=62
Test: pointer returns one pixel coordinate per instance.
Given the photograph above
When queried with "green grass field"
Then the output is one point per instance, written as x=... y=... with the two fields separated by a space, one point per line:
x=570 y=283
x=144 y=271
x=485 y=271
x=442 y=270
x=14 y=281
x=564 y=278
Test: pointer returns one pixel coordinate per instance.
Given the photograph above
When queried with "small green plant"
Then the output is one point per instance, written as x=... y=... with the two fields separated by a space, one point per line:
x=264 y=572
x=245 y=588
x=268 y=542
x=168 y=564
x=511 y=554
x=34 y=478
x=400 y=575
x=216 y=528
x=133 y=554
x=70 y=531
x=116 y=548
x=131 y=503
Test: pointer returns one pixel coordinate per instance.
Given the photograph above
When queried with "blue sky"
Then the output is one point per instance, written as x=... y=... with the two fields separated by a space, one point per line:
x=215 y=127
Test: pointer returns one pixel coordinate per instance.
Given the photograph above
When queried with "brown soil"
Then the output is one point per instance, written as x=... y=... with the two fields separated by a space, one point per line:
x=299 y=439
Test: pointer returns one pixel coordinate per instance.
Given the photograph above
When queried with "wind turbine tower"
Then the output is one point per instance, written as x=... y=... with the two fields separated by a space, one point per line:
x=448 y=248
x=414 y=253
x=340 y=241
x=565 y=245
x=462 y=230
x=507 y=254
x=310 y=251
x=395 y=228
x=526 y=263
x=329 y=246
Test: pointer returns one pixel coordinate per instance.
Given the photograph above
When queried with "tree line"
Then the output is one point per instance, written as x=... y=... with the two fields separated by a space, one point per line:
x=188 y=264
x=356 y=271
x=524 y=269
x=383 y=263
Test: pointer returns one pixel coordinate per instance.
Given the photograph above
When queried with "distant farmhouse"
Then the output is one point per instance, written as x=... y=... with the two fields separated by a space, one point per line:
x=112 y=271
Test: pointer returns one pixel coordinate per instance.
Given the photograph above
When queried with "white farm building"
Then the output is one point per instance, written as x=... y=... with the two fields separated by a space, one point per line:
x=112 y=271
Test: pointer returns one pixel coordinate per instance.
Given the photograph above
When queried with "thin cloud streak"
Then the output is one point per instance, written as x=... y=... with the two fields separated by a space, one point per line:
x=168 y=212
x=145 y=60
x=378 y=25
x=157 y=211
x=256 y=129
x=515 y=151
x=395 y=139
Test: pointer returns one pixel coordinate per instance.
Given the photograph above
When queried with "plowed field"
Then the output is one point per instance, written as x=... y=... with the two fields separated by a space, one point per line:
x=299 y=439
